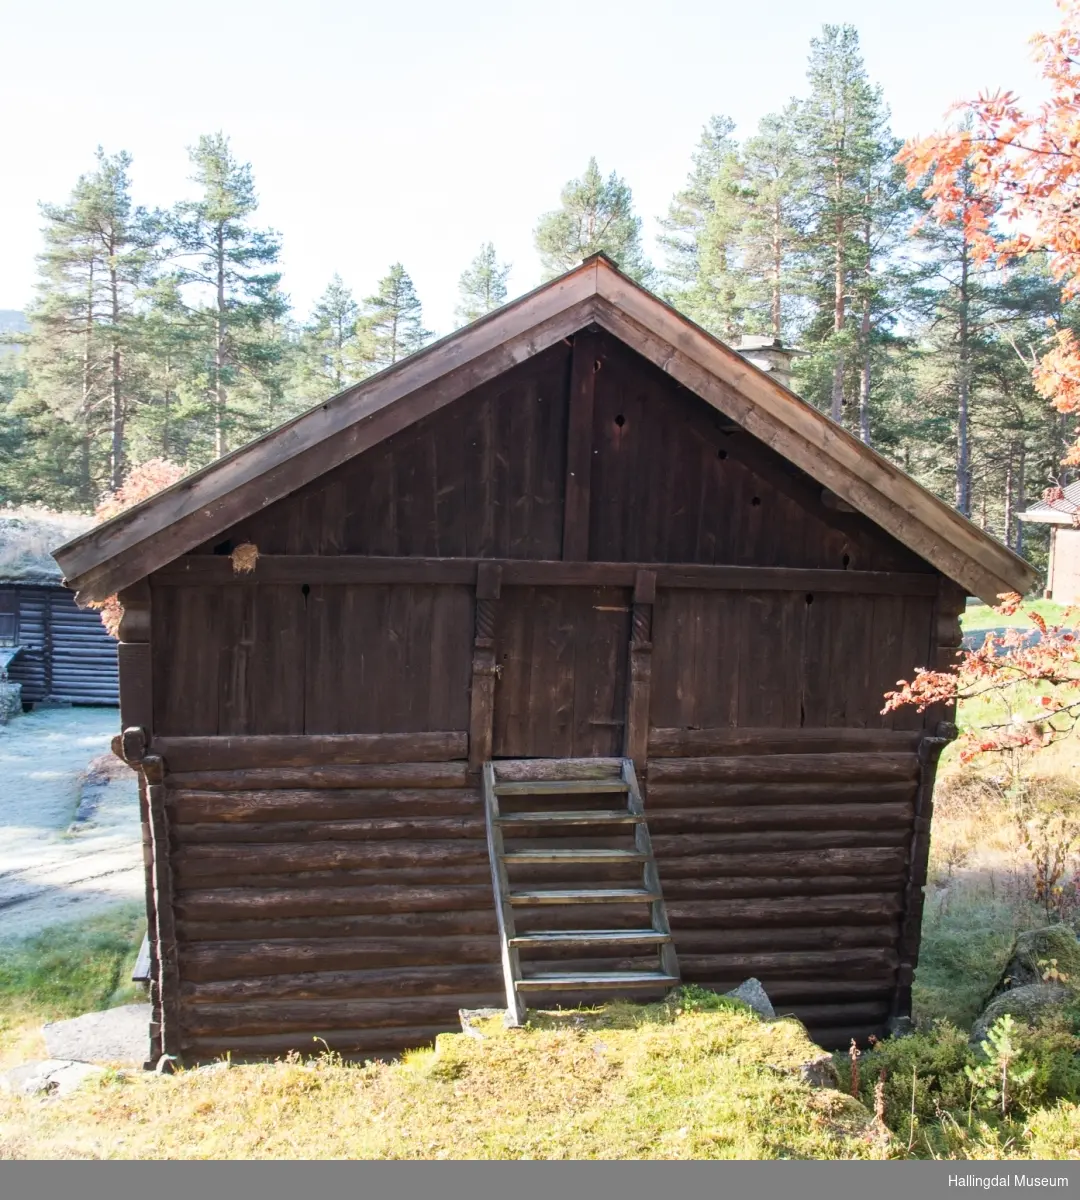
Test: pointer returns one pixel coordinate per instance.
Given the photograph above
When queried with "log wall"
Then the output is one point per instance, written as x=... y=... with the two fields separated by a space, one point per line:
x=577 y=559
x=317 y=898
x=321 y=896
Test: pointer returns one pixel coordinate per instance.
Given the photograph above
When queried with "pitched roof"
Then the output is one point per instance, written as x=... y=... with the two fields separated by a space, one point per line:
x=1056 y=512
x=119 y=552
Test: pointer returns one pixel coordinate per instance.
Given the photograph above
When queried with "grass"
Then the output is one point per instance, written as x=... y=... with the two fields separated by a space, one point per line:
x=63 y=972
x=674 y=1080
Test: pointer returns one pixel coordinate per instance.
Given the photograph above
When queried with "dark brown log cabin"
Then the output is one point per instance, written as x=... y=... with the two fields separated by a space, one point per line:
x=579 y=529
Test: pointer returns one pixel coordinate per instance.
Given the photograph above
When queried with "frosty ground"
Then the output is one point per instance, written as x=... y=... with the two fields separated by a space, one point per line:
x=69 y=820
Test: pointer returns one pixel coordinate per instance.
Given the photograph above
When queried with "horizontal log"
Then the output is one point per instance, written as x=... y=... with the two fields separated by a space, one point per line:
x=856 y=1012
x=875 y=962
x=716 y=794
x=782 y=821
x=703 y=868
x=332 y=804
x=260 y=880
x=868 y=905
x=540 y=770
x=347 y=568
x=318 y=985
x=796 y=579
x=772 y=886
x=245 y=858
x=250 y=903
x=315 y=1016
x=218 y=753
x=750 y=768
x=396 y=928
x=379 y=829
x=831 y=991
x=704 y=743
x=347 y=1042
x=673 y=847
x=242 y=959
x=390 y=775
x=768 y=938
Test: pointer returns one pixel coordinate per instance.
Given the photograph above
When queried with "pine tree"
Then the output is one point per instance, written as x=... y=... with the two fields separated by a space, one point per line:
x=596 y=215
x=333 y=351
x=844 y=143
x=394 y=319
x=482 y=286
x=169 y=362
x=228 y=265
x=98 y=252
x=702 y=233
x=772 y=235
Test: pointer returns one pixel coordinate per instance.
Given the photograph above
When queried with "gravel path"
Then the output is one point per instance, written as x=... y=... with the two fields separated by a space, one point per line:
x=70 y=844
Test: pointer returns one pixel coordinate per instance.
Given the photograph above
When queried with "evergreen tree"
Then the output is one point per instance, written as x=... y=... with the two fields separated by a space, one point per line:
x=702 y=233
x=845 y=144
x=170 y=344
x=333 y=350
x=229 y=266
x=772 y=237
x=482 y=286
x=596 y=215
x=97 y=255
x=394 y=319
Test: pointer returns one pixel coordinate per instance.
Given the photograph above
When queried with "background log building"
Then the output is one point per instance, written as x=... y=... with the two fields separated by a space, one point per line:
x=61 y=652
x=579 y=529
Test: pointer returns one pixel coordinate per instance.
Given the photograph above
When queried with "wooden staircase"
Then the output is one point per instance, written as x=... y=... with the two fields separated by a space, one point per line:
x=569 y=838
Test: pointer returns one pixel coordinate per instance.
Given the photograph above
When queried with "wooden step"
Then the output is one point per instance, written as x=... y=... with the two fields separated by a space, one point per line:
x=556 y=981
x=596 y=816
x=560 y=787
x=583 y=896
x=590 y=937
x=573 y=856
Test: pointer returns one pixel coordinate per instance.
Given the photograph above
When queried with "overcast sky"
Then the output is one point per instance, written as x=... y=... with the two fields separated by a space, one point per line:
x=416 y=131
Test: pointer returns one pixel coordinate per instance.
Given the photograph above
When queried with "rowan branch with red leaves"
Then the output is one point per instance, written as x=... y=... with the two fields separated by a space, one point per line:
x=1036 y=680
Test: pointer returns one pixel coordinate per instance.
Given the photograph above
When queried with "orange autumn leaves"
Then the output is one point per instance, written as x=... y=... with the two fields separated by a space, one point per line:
x=1011 y=177
x=1034 y=682
x=140 y=483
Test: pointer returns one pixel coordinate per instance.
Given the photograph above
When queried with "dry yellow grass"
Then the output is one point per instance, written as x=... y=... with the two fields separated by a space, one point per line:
x=623 y=1082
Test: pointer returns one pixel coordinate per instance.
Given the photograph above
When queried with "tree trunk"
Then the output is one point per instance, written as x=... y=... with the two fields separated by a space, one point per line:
x=219 y=351
x=1021 y=488
x=838 y=315
x=777 y=265
x=864 y=375
x=117 y=393
x=963 y=448
x=1009 y=498
x=86 y=483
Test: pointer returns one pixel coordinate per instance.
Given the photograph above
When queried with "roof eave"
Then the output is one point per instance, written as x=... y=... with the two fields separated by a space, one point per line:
x=119 y=552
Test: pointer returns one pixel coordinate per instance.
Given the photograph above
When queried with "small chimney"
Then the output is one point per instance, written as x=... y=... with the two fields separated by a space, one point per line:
x=768 y=353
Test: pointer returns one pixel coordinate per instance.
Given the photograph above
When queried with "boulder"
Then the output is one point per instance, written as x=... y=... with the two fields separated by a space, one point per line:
x=754 y=995
x=1025 y=1003
x=1038 y=952
x=116 y=1035
x=52 y=1076
x=820 y=1072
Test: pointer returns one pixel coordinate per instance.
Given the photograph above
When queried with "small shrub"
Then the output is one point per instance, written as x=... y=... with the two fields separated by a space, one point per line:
x=936 y=1082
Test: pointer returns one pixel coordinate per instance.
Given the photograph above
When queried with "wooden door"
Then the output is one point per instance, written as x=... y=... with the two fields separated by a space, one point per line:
x=561 y=686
